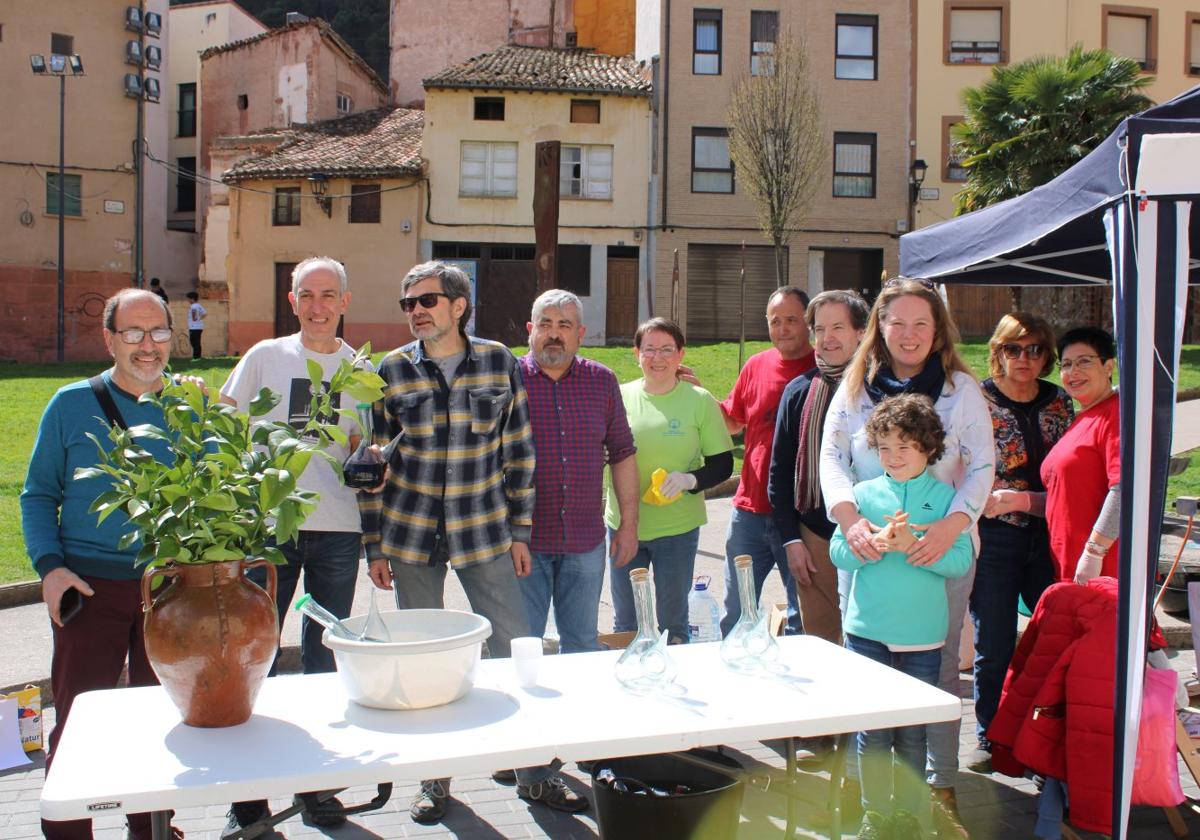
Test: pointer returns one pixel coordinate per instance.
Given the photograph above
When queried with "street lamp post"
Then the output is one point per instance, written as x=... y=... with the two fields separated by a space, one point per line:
x=58 y=67
x=916 y=177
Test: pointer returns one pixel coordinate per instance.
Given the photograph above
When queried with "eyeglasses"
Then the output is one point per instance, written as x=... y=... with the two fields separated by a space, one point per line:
x=664 y=352
x=896 y=281
x=1033 y=352
x=427 y=301
x=134 y=335
x=1078 y=363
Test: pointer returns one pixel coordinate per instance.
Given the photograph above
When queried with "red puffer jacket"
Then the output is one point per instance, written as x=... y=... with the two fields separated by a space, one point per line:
x=1056 y=712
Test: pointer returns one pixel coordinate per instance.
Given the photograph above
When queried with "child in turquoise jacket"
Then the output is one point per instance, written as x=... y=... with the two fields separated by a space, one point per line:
x=898 y=613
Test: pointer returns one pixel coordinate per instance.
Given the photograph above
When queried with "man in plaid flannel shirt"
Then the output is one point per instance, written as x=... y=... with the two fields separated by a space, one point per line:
x=459 y=490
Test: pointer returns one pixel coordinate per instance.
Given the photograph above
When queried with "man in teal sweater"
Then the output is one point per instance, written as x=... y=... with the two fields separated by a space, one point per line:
x=898 y=613
x=90 y=587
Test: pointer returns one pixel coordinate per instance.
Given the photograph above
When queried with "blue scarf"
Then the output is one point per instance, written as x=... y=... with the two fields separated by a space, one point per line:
x=928 y=382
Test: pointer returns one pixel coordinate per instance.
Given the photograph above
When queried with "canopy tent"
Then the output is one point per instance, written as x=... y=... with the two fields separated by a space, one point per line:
x=1092 y=224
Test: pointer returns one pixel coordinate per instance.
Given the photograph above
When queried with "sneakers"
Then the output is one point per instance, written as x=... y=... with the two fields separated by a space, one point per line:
x=947 y=822
x=875 y=826
x=905 y=826
x=553 y=793
x=980 y=759
x=429 y=805
x=317 y=814
x=505 y=777
x=244 y=815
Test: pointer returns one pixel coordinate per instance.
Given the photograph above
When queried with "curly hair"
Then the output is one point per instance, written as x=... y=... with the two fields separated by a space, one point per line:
x=913 y=417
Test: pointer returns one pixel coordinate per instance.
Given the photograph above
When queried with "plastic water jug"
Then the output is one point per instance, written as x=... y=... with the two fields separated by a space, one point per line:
x=704 y=616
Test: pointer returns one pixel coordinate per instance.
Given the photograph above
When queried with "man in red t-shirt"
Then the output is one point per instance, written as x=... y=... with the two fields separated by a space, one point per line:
x=751 y=407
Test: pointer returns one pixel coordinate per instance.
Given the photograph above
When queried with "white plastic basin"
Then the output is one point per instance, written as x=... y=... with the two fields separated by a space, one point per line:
x=429 y=662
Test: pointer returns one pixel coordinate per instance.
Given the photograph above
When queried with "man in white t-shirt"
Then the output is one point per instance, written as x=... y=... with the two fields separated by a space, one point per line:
x=328 y=549
x=196 y=314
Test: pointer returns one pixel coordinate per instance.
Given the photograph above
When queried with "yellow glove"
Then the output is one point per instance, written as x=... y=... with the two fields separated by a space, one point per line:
x=653 y=494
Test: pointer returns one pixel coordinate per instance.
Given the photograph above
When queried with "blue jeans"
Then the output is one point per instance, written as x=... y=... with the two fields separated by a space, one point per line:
x=330 y=561
x=674 y=562
x=573 y=582
x=897 y=782
x=943 y=738
x=1013 y=563
x=755 y=534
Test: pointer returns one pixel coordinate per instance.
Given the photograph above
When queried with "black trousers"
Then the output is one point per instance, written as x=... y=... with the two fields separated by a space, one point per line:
x=195 y=337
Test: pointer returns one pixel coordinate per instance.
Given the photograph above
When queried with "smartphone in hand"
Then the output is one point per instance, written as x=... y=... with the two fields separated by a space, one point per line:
x=70 y=604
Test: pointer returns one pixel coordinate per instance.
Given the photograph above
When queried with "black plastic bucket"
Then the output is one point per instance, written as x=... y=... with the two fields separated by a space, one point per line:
x=709 y=811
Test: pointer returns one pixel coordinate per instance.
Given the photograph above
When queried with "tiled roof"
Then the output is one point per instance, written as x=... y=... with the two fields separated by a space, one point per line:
x=373 y=144
x=326 y=32
x=545 y=69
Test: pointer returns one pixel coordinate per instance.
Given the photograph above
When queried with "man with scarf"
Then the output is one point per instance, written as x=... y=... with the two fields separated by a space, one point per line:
x=836 y=320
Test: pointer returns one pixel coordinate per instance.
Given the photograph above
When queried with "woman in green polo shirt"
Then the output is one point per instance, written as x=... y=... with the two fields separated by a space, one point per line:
x=678 y=429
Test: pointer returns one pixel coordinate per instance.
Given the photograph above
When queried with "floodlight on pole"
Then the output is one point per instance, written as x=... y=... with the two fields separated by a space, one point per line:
x=58 y=67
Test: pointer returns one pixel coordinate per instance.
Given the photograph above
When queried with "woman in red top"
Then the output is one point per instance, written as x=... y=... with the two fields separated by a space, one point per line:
x=1083 y=470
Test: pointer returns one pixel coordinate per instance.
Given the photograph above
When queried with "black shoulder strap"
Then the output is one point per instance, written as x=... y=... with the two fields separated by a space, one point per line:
x=106 y=402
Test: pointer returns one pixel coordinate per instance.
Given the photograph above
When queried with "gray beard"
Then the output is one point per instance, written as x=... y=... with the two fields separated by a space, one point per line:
x=552 y=356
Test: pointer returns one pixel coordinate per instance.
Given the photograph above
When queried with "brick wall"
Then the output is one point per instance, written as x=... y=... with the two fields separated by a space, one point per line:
x=28 y=315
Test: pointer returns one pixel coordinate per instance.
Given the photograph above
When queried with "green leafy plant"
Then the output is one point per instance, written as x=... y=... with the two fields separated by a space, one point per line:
x=231 y=485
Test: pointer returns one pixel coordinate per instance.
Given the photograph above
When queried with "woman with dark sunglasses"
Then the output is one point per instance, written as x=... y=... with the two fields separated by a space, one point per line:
x=1029 y=415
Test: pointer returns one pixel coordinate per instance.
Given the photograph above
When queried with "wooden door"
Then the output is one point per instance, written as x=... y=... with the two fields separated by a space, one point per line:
x=714 y=291
x=286 y=322
x=503 y=299
x=622 y=306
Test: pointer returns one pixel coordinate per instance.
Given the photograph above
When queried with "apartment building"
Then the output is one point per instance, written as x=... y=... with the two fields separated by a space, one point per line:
x=348 y=188
x=701 y=216
x=483 y=119
x=958 y=43
x=100 y=189
x=194 y=28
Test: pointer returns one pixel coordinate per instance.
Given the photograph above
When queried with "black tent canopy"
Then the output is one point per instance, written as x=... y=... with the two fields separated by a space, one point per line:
x=1120 y=215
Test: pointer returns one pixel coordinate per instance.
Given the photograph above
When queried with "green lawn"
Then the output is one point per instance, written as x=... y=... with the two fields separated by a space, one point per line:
x=25 y=389
x=1187 y=483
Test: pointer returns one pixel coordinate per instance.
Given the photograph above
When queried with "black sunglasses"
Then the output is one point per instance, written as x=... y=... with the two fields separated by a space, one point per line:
x=427 y=301
x=1032 y=352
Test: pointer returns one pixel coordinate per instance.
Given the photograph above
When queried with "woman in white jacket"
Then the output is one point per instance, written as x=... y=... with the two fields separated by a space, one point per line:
x=909 y=347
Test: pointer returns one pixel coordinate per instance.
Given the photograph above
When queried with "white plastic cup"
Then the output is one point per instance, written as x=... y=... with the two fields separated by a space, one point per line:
x=526 y=657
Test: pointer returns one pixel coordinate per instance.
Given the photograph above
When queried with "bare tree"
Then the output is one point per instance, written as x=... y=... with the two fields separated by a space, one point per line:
x=776 y=141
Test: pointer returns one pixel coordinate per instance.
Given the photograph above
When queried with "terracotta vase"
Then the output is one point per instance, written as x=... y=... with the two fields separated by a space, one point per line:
x=211 y=635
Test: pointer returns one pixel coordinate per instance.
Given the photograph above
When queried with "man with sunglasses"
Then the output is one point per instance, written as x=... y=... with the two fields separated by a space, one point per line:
x=90 y=586
x=328 y=549
x=459 y=491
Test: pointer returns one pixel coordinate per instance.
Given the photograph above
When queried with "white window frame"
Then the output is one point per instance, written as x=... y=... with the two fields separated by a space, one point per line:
x=594 y=165
x=345 y=105
x=487 y=169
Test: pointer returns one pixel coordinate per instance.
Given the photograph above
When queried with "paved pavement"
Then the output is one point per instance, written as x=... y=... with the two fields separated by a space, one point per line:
x=993 y=806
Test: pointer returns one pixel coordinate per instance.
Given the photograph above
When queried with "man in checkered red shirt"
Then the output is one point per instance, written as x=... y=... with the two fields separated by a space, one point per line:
x=579 y=426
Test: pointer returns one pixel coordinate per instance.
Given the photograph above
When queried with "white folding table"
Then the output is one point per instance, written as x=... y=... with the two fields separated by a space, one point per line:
x=126 y=750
